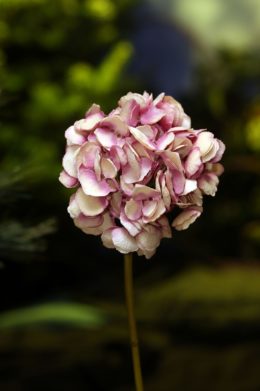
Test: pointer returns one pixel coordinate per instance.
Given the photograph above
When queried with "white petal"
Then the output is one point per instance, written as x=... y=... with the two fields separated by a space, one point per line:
x=89 y=205
x=123 y=241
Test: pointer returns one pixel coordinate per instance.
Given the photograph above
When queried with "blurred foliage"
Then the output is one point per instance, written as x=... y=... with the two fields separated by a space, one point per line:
x=56 y=58
x=64 y=314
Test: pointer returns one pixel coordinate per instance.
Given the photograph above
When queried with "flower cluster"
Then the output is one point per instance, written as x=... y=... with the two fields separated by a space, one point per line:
x=134 y=166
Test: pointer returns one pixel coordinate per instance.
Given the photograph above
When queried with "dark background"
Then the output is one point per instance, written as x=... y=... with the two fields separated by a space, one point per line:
x=63 y=323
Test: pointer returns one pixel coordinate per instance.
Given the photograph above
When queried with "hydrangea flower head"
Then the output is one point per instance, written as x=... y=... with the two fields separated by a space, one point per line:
x=134 y=166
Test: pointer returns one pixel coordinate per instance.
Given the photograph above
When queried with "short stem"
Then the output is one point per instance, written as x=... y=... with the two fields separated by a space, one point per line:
x=131 y=320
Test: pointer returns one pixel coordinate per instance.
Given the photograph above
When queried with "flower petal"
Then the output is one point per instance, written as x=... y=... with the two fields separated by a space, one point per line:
x=90 y=184
x=142 y=138
x=89 y=205
x=142 y=192
x=186 y=218
x=151 y=115
x=190 y=185
x=73 y=137
x=193 y=162
x=133 y=209
x=123 y=241
x=67 y=180
x=164 y=141
x=108 y=168
x=106 y=137
x=69 y=160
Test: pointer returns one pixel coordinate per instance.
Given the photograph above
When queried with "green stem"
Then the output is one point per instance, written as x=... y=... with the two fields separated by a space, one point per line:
x=128 y=260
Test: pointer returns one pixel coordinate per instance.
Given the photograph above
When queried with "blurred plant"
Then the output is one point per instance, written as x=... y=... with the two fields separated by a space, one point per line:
x=53 y=57
x=19 y=239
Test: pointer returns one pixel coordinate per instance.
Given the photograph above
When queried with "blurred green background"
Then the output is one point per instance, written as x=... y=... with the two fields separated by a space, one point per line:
x=63 y=323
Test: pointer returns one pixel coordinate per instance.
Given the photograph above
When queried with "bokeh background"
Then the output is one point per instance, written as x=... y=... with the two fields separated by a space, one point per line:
x=63 y=323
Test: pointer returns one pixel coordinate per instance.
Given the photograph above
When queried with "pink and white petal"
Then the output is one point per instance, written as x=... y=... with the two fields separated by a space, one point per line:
x=186 y=218
x=69 y=160
x=142 y=192
x=115 y=203
x=178 y=181
x=149 y=207
x=106 y=137
x=142 y=138
x=193 y=162
x=127 y=188
x=73 y=137
x=133 y=209
x=147 y=130
x=89 y=205
x=190 y=186
x=118 y=156
x=164 y=141
x=133 y=227
x=210 y=155
x=186 y=121
x=87 y=155
x=146 y=165
x=116 y=124
x=97 y=167
x=151 y=115
x=204 y=142
x=148 y=240
x=123 y=241
x=172 y=160
x=73 y=208
x=130 y=112
x=67 y=180
x=91 y=186
x=106 y=238
x=182 y=145
x=89 y=225
x=159 y=98
x=108 y=168
x=165 y=228
x=208 y=183
x=220 y=152
x=159 y=211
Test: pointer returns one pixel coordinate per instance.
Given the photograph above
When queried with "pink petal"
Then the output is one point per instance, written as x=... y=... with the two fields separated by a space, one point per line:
x=106 y=238
x=142 y=138
x=142 y=192
x=220 y=152
x=208 y=183
x=164 y=141
x=146 y=165
x=90 y=184
x=115 y=202
x=193 y=162
x=149 y=208
x=67 y=180
x=148 y=240
x=73 y=137
x=165 y=228
x=89 y=205
x=89 y=225
x=172 y=160
x=133 y=209
x=151 y=115
x=115 y=124
x=108 y=168
x=106 y=137
x=73 y=208
x=178 y=180
x=87 y=155
x=123 y=242
x=130 y=112
x=131 y=226
x=186 y=218
x=190 y=185
x=69 y=160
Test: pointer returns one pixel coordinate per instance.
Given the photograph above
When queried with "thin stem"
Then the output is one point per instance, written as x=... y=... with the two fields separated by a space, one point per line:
x=132 y=323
